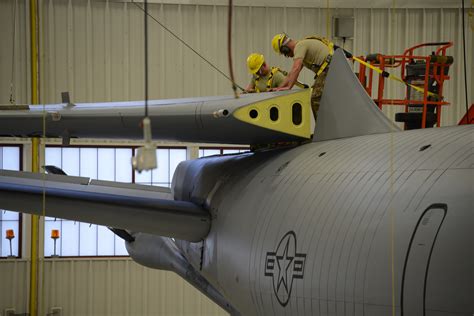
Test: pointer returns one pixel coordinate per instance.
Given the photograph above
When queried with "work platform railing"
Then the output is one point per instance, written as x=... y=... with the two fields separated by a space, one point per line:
x=424 y=77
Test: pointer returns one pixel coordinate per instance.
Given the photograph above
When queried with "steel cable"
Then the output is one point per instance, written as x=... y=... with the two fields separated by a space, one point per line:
x=187 y=45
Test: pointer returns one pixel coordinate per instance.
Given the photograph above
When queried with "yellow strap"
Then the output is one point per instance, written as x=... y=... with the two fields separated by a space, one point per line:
x=270 y=78
x=321 y=39
x=269 y=81
x=391 y=76
x=256 y=79
x=330 y=45
x=321 y=69
x=326 y=61
x=331 y=48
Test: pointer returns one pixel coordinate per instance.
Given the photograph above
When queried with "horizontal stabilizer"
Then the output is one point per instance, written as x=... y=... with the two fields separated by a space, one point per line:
x=132 y=207
x=257 y=118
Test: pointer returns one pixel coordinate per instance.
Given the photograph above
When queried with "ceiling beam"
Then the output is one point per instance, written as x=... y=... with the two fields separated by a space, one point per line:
x=375 y=4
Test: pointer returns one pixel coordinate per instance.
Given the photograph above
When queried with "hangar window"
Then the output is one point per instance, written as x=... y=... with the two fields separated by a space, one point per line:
x=10 y=222
x=168 y=159
x=102 y=163
x=210 y=151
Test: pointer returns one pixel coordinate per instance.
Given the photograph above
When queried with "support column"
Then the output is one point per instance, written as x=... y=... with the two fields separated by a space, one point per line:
x=33 y=299
x=34 y=234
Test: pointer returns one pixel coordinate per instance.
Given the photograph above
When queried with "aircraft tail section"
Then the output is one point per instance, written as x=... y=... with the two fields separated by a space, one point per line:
x=346 y=109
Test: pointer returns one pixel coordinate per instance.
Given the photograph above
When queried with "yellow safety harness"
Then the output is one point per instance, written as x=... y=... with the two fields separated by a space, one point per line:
x=270 y=78
x=391 y=76
x=326 y=62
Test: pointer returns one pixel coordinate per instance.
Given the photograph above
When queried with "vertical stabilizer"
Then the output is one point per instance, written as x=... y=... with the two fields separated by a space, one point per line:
x=346 y=109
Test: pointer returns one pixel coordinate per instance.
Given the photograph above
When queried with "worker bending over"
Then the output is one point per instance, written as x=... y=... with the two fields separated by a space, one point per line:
x=312 y=52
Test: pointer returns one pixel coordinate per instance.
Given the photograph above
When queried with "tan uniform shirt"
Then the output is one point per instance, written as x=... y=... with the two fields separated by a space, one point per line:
x=261 y=84
x=312 y=51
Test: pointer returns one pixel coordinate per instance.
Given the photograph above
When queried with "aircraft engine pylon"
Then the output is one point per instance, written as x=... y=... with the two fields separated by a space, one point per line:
x=158 y=252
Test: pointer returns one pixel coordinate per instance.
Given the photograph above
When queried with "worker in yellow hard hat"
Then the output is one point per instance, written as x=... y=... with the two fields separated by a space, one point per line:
x=263 y=77
x=314 y=53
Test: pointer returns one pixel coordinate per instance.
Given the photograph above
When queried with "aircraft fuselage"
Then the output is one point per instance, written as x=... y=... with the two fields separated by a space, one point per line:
x=354 y=226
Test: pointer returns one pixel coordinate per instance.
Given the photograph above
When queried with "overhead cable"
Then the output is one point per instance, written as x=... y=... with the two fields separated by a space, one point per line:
x=12 y=84
x=145 y=158
x=464 y=57
x=187 y=45
x=145 y=21
x=229 y=48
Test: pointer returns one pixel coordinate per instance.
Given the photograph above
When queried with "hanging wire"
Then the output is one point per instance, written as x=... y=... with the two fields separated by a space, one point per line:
x=145 y=19
x=42 y=142
x=187 y=45
x=392 y=184
x=464 y=57
x=471 y=15
x=327 y=19
x=229 y=48
x=12 y=85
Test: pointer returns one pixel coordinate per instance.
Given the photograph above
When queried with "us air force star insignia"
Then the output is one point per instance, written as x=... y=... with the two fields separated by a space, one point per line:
x=284 y=265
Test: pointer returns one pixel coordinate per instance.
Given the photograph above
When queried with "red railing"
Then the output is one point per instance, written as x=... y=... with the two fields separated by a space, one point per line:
x=435 y=69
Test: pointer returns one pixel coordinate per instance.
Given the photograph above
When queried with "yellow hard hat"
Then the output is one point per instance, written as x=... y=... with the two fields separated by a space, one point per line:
x=254 y=62
x=277 y=41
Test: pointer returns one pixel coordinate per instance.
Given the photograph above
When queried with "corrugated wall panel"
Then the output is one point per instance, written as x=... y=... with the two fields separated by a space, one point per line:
x=94 y=49
x=14 y=284
x=14 y=41
x=103 y=287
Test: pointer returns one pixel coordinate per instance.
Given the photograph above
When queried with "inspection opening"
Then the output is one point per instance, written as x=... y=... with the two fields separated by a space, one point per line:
x=297 y=113
x=253 y=113
x=274 y=113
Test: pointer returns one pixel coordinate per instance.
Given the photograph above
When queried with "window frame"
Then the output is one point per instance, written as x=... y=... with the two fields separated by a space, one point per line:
x=99 y=146
x=221 y=150
x=20 y=215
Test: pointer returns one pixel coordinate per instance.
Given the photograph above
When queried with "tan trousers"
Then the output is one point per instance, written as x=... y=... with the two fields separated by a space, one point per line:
x=318 y=87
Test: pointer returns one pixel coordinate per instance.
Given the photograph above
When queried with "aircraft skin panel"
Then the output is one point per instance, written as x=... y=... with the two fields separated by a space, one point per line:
x=279 y=116
x=305 y=230
x=327 y=219
x=418 y=259
x=210 y=120
x=453 y=254
x=132 y=207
